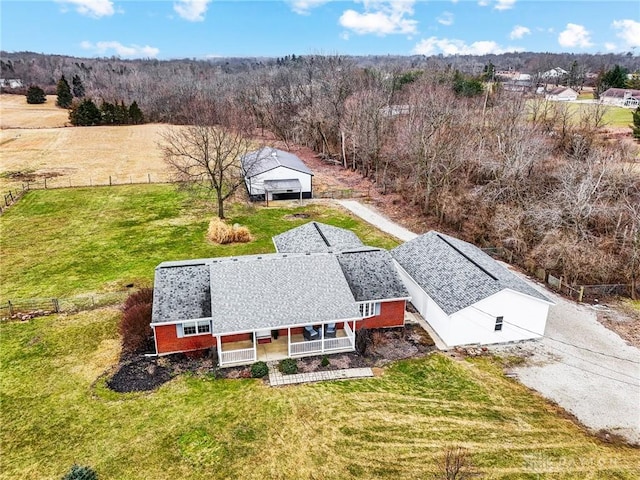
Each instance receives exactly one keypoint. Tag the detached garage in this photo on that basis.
(465, 295)
(272, 174)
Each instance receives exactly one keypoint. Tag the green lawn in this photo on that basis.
(85, 240)
(57, 411)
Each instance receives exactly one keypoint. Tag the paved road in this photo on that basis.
(583, 366)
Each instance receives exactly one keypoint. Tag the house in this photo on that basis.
(11, 83)
(254, 307)
(554, 73)
(316, 237)
(272, 174)
(562, 94)
(273, 306)
(465, 295)
(621, 97)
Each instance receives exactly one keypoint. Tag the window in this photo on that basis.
(498, 326)
(196, 328)
(370, 309)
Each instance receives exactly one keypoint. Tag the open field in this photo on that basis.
(614, 116)
(57, 411)
(82, 240)
(15, 112)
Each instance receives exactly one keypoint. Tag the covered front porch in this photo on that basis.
(267, 345)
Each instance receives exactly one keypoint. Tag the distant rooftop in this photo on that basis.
(316, 237)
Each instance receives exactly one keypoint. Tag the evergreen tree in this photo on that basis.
(616, 77)
(109, 116)
(466, 87)
(85, 113)
(488, 72)
(35, 95)
(78, 87)
(122, 114)
(636, 124)
(135, 114)
(64, 93)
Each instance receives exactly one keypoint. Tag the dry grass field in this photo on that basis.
(34, 144)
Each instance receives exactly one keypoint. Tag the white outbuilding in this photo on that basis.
(465, 295)
(272, 174)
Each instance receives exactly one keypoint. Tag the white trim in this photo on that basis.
(293, 325)
(175, 322)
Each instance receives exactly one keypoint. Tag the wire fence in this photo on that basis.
(27, 308)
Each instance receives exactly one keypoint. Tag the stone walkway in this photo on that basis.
(277, 379)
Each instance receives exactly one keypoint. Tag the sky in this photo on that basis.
(274, 28)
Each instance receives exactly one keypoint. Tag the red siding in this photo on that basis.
(391, 315)
(167, 340)
(239, 337)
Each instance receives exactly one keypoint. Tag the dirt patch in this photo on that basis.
(622, 319)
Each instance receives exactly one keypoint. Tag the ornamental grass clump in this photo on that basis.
(221, 233)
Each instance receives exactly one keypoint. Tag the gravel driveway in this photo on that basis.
(581, 365)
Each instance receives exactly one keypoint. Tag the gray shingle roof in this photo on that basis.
(265, 159)
(316, 237)
(181, 291)
(454, 273)
(258, 292)
(371, 275)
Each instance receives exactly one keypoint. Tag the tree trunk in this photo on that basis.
(220, 207)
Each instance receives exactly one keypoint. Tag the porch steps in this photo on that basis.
(277, 379)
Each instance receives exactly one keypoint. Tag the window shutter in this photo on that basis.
(179, 331)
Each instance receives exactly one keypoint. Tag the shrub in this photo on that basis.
(363, 339)
(259, 370)
(221, 233)
(135, 325)
(325, 361)
(35, 95)
(288, 366)
(79, 472)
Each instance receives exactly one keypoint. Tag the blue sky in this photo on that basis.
(212, 28)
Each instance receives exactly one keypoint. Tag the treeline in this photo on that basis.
(87, 113)
(493, 166)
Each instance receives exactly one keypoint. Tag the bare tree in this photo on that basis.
(455, 464)
(208, 157)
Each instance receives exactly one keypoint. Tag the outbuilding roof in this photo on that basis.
(265, 159)
(371, 275)
(262, 292)
(316, 237)
(454, 273)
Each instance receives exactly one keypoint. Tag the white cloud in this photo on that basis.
(575, 36)
(610, 46)
(131, 51)
(446, 46)
(628, 31)
(381, 17)
(191, 10)
(446, 18)
(504, 4)
(303, 7)
(518, 32)
(483, 3)
(91, 8)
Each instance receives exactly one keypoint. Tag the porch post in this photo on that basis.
(288, 341)
(219, 348)
(322, 337)
(255, 347)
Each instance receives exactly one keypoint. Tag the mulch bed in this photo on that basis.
(137, 373)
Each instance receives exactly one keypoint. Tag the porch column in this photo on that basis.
(289, 341)
(219, 348)
(255, 347)
(322, 337)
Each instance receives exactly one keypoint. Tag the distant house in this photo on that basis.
(562, 94)
(11, 83)
(621, 97)
(465, 295)
(304, 300)
(272, 174)
(554, 73)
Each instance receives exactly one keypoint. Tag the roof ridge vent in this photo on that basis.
(467, 257)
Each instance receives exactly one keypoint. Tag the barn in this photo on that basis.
(272, 174)
(465, 295)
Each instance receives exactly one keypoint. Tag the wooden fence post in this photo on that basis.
(581, 294)
(45, 183)
(109, 180)
(149, 177)
(56, 305)
(10, 307)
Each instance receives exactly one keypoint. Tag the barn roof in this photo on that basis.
(316, 237)
(265, 159)
(454, 273)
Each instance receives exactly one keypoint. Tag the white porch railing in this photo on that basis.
(237, 356)
(337, 343)
(302, 348)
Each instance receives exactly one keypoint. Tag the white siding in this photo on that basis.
(524, 318)
(255, 184)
